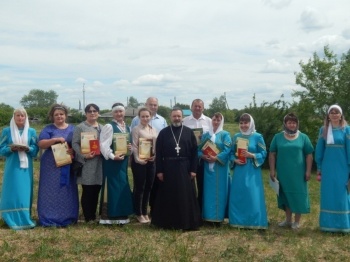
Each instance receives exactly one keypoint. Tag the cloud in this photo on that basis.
(121, 82)
(346, 33)
(312, 20)
(80, 80)
(93, 45)
(149, 80)
(97, 84)
(277, 4)
(273, 66)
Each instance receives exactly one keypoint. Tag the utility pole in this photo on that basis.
(83, 96)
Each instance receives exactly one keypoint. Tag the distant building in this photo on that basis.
(186, 112)
(129, 112)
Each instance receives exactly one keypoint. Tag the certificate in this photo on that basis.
(85, 141)
(209, 148)
(242, 145)
(145, 148)
(120, 143)
(198, 134)
(60, 154)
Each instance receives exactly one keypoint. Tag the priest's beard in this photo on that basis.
(177, 124)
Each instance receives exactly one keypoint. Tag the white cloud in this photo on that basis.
(346, 33)
(80, 80)
(149, 79)
(273, 66)
(97, 84)
(312, 19)
(278, 4)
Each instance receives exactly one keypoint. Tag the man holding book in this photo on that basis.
(197, 120)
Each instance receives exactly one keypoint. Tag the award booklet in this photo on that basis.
(95, 146)
(198, 132)
(275, 185)
(242, 145)
(85, 141)
(120, 144)
(145, 148)
(209, 148)
(60, 154)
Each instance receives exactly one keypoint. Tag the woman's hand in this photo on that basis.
(90, 155)
(239, 162)
(209, 158)
(160, 176)
(246, 154)
(307, 176)
(119, 157)
(273, 176)
(57, 140)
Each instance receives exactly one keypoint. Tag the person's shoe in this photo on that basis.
(146, 218)
(295, 225)
(284, 223)
(141, 219)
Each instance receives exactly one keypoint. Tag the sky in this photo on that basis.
(176, 51)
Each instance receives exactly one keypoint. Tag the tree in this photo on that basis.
(182, 106)
(164, 111)
(218, 105)
(6, 112)
(39, 98)
(133, 102)
(325, 81)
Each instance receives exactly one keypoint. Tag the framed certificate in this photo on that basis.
(145, 148)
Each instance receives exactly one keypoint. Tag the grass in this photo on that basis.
(135, 242)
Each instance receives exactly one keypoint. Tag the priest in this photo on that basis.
(176, 206)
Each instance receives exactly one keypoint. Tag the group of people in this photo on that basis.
(182, 183)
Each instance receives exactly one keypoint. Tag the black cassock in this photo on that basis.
(176, 206)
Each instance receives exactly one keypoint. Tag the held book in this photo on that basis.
(210, 149)
(198, 132)
(120, 144)
(95, 146)
(242, 145)
(85, 141)
(145, 148)
(60, 154)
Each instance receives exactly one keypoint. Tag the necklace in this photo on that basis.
(177, 148)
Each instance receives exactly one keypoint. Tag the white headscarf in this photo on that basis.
(213, 136)
(20, 139)
(251, 128)
(330, 138)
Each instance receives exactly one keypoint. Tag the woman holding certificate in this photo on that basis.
(58, 203)
(116, 198)
(86, 135)
(333, 158)
(215, 150)
(247, 208)
(293, 151)
(18, 145)
(142, 163)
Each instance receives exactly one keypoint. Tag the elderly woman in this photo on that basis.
(18, 145)
(143, 168)
(216, 171)
(247, 208)
(116, 200)
(58, 203)
(91, 175)
(333, 160)
(293, 151)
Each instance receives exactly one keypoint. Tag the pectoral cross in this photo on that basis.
(177, 148)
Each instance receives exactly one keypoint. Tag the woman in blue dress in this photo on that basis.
(17, 186)
(247, 207)
(216, 172)
(116, 199)
(58, 203)
(333, 160)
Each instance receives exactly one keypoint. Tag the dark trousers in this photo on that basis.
(143, 180)
(200, 180)
(89, 200)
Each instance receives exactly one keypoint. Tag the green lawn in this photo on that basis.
(135, 242)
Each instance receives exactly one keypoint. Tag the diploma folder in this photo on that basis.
(242, 145)
(198, 132)
(60, 154)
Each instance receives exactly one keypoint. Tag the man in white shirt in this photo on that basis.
(157, 121)
(198, 120)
